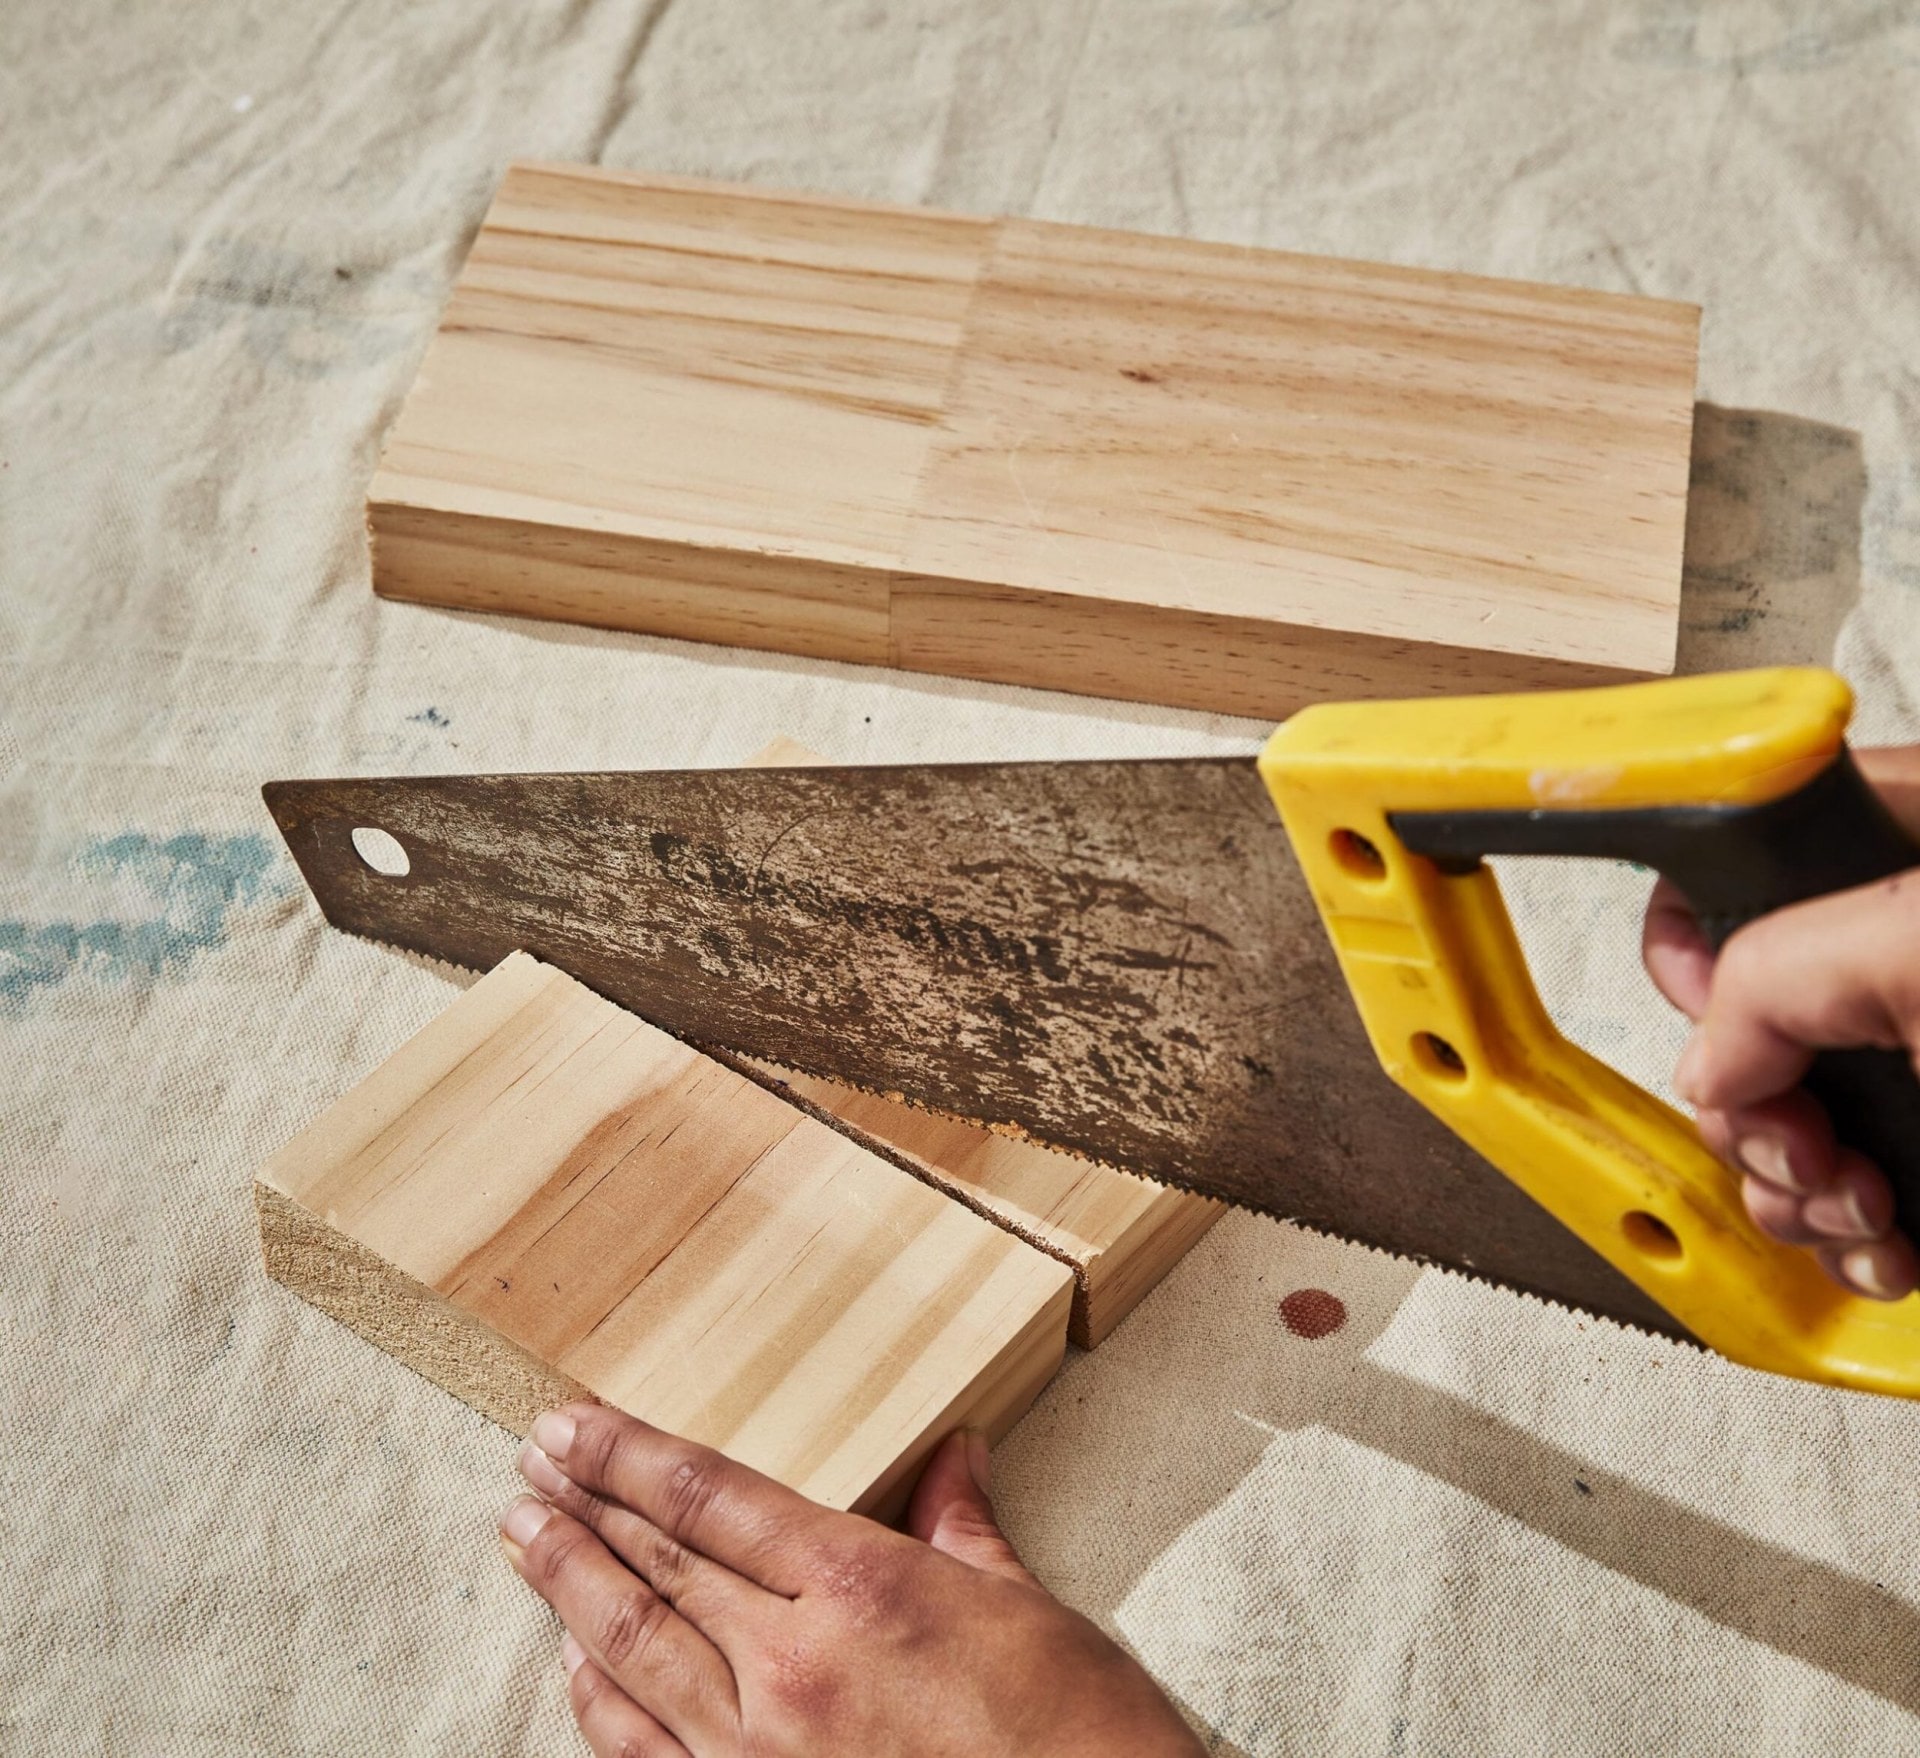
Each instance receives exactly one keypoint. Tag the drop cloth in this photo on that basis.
(1462, 1524)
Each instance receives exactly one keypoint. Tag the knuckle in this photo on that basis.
(974, 1524)
(628, 1626)
(554, 1548)
(693, 1486)
(982, 1539)
(584, 1505)
(597, 1437)
(666, 1564)
(588, 1689)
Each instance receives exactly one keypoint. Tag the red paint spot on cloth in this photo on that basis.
(1313, 1313)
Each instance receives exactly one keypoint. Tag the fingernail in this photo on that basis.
(1765, 1156)
(980, 1460)
(553, 1434)
(1839, 1214)
(572, 1656)
(524, 1520)
(1691, 1066)
(1862, 1268)
(540, 1471)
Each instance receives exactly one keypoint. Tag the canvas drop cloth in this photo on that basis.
(1463, 1524)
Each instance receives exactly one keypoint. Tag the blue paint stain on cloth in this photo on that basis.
(195, 882)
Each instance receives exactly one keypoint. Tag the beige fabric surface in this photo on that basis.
(1463, 1524)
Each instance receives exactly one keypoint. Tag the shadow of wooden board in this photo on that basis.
(1128, 466)
(541, 1197)
(1118, 1234)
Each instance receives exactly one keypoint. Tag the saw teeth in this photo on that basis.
(1474, 1280)
(443, 966)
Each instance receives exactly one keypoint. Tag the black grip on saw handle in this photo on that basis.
(1736, 863)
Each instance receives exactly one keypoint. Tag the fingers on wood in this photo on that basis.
(714, 1598)
(698, 1498)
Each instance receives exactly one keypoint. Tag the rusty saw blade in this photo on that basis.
(1119, 958)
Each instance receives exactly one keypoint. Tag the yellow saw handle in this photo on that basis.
(1740, 788)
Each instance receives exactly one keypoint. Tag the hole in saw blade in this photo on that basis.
(1650, 1236)
(381, 851)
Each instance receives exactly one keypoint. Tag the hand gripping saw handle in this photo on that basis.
(1739, 787)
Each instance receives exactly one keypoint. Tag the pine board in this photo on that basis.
(1117, 1233)
(539, 1197)
(1129, 466)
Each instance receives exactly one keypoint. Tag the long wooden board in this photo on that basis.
(1128, 466)
(1117, 1233)
(540, 1197)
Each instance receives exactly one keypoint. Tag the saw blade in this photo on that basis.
(1120, 959)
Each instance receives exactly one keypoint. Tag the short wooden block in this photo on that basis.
(1096, 461)
(541, 1197)
(1119, 1234)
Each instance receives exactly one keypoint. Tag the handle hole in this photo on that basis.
(1651, 1236)
(381, 852)
(1438, 1058)
(1357, 855)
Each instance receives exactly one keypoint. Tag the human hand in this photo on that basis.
(1836, 972)
(711, 1612)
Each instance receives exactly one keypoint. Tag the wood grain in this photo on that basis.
(1117, 1233)
(541, 1196)
(1128, 466)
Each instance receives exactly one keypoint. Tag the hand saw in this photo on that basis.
(1286, 981)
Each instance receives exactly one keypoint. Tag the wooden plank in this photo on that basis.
(1117, 1233)
(540, 1196)
(1127, 466)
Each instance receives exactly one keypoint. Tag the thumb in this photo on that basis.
(950, 1510)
